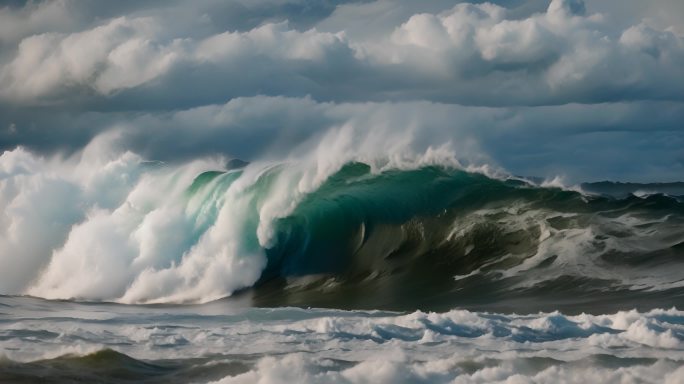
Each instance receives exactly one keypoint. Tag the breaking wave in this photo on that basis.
(423, 232)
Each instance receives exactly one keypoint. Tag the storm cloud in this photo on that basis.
(584, 89)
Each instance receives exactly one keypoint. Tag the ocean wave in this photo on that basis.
(397, 234)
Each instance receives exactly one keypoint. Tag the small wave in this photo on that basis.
(109, 366)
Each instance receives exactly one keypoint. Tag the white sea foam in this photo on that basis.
(298, 368)
(312, 346)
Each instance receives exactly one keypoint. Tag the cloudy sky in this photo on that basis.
(588, 90)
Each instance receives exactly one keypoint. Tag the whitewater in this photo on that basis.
(221, 342)
(332, 266)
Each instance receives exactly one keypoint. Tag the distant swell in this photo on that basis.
(417, 234)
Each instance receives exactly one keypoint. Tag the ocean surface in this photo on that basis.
(356, 273)
(65, 342)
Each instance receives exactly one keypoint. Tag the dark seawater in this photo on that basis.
(109, 366)
(435, 239)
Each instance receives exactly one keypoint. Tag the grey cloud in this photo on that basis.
(470, 54)
(540, 88)
(372, 19)
(662, 14)
(21, 18)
